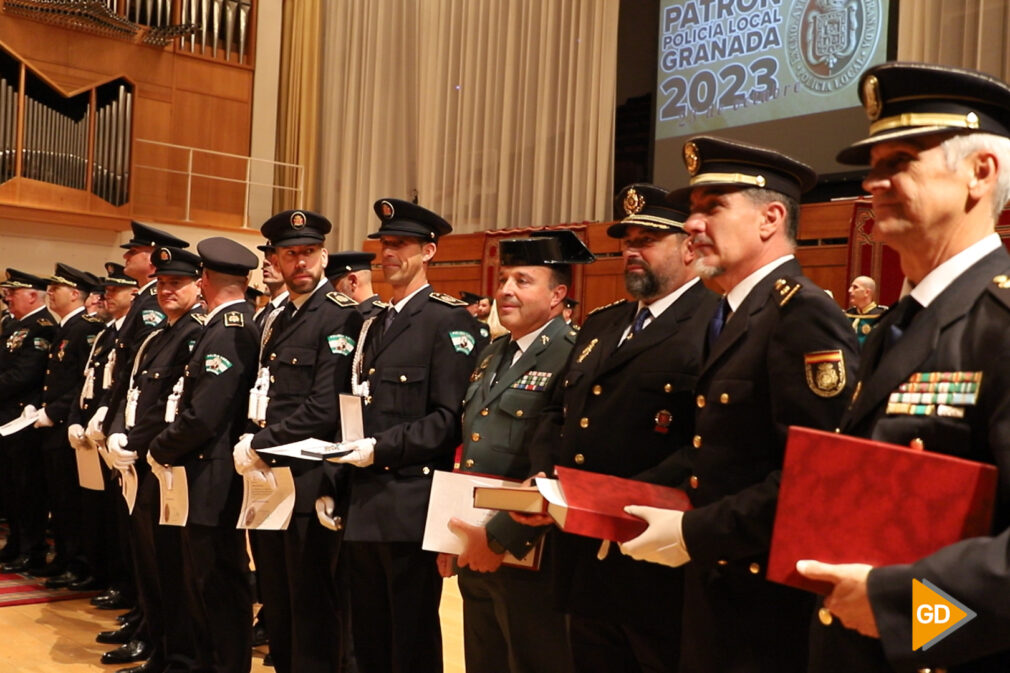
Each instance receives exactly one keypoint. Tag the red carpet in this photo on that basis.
(22, 590)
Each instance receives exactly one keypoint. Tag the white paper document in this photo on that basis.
(89, 469)
(452, 496)
(174, 497)
(351, 426)
(314, 447)
(267, 503)
(129, 480)
(18, 424)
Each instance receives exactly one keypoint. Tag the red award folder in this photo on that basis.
(849, 500)
(586, 503)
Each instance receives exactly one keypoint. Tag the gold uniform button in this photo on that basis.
(825, 616)
(722, 562)
(425, 470)
(700, 401)
(597, 389)
(579, 459)
(200, 457)
(45, 388)
(273, 461)
(371, 371)
(696, 442)
(484, 412)
(475, 437)
(693, 481)
(468, 462)
(584, 422)
(917, 444)
(294, 361)
(519, 413)
(403, 378)
(368, 399)
(668, 388)
(754, 568)
(724, 398)
(386, 468)
(273, 356)
(272, 379)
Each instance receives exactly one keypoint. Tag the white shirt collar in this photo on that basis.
(403, 302)
(64, 319)
(657, 307)
(940, 278)
(147, 285)
(26, 315)
(527, 340)
(118, 322)
(736, 296)
(221, 308)
(279, 299)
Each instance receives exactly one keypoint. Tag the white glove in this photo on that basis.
(94, 430)
(76, 437)
(324, 512)
(362, 452)
(42, 420)
(161, 473)
(29, 410)
(246, 459)
(121, 457)
(663, 541)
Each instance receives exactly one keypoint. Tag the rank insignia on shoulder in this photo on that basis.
(1002, 281)
(153, 290)
(825, 372)
(216, 364)
(234, 319)
(462, 341)
(341, 344)
(447, 299)
(44, 322)
(341, 299)
(935, 393)
(381, 304)
(150, 317)
(94, 318)
(199, 317)
(606, 306)
(785, 289)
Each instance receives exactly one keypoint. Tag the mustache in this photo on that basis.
(700, 239)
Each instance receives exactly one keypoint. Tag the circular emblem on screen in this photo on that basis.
(633, 202)
(386, 209)
(164, 255)
(830, 42)
(692, 160)
(871, 97)
(297, 220)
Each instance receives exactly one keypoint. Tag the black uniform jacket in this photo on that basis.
(161, 364)
(627, 408)
(84, 407)
(65, 369)
(499, 420)
(964, 330)
(785, 357)
(310, 364)
(212, 415)
(144, 316)
(417, 373)
(23, 362)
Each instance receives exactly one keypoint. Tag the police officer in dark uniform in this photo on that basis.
(304, 364)
(200, 438)
(569, 311)
(414, 361)
(508, 618)
(779, 353)
(939, 156)
(631, 375)
(68, 288)
(104, 546)
(350, 272)
(863, 312)
(158, 365)
(22, 370)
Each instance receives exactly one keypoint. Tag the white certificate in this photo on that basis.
(351, 425)
(18, 424)
(174, 496)
(267, 500)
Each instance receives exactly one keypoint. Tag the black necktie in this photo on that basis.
(638, 324)
(718, 322)
(904, 312)
(506, 361)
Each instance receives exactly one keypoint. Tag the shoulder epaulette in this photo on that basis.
(381, 304)
(341, 299)
(447, 299)
(153, 290)
(1000, 288)
(44, 322)
(785, 289)
(606, 306)
(234, 319)
(94, 318)
(863, 316)
(572, 334)
(199, 317)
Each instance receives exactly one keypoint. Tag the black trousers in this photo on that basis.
(25, 489)
(601, 646)
(218, 597)
(299, 596)
(62, 485)
(395, 591)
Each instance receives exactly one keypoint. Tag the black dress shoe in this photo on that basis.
(135, 650)
(259, 635)
(268, 659)
(121, 636)
(86, 583)
(61, 581)
(50, 570)
(149, 666)
(21, 564)
(112, 600)
(132, 616)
